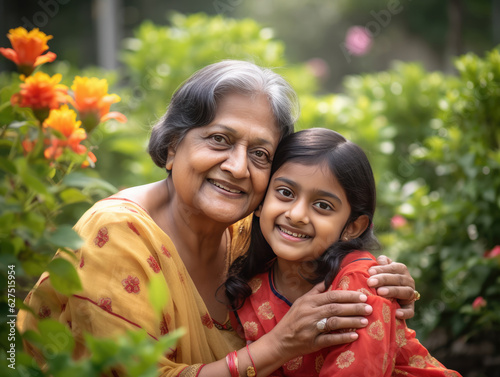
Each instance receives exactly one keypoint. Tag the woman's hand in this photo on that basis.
(394, 281)
(297, 333)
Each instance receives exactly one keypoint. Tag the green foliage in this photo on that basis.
(158, 59)
(41, 182)
(134, 354)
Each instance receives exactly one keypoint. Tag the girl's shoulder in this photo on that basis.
(354, 272)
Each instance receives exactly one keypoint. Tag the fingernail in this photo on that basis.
(364, 321)
(363, 297)
(399, 313)
(368, 309)
(372, 281)
(354, 336)
(372, 271)
(382, 291)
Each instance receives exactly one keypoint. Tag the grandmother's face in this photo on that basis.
(222, 169)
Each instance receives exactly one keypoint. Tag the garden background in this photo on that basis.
(416, 84)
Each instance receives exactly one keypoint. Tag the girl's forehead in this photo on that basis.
(297, 168)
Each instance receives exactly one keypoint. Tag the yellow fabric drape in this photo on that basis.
(123, 249)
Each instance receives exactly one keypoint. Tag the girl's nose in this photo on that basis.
(298, 212)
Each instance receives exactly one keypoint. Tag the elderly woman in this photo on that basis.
(216, 142)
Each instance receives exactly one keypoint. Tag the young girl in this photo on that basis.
(315, 220)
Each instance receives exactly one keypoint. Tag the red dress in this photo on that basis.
(385, 347)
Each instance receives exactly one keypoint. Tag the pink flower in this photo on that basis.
(478, 303)
(398, 221)
(358, 40)
(495, 252)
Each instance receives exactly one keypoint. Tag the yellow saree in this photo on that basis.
(123, 248)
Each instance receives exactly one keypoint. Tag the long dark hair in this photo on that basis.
(349, 164)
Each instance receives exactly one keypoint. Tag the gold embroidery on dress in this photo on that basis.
(400, 337)
(386, 312)
(255, 284)
(251, 329)
(320, 360)
(345, 359)
(376, 330)
(265, 311)
(417, 361)
(294, 364)
(344, 283)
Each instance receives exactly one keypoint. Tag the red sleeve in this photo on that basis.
(373, 353)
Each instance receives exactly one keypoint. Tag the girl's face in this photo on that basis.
(304, 211)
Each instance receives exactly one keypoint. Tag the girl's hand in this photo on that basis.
(394, 281)
(298, 334)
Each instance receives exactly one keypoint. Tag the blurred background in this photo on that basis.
(415, 83)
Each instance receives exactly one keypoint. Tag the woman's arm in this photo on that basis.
(297, 333)
(393, 280)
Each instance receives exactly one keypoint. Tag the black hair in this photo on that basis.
(350, 165)
(194, 104)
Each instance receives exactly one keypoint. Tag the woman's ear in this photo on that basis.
(258, 211)
(357, 227)
(170, 159)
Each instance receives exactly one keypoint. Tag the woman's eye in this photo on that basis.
(285, 192)
(218, 138)
(262, 156)
(324, 206)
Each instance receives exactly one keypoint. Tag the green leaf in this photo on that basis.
(7, 166)
(65, 236)
(158, 292)
(64, 277)
(56, 337)
(82, 181)
(73, 195)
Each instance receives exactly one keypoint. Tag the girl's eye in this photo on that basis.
(323, 206)
(285, 192)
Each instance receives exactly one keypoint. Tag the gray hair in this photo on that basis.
(194, 104)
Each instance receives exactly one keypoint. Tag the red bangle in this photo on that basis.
(232, 364)
(251, 370)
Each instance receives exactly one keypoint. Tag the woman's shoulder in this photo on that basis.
(112, 210)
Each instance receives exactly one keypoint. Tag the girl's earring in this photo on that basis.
(346, 238)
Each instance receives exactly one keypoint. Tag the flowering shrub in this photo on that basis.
(45, 129)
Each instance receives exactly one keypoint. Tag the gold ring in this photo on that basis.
(416, 296)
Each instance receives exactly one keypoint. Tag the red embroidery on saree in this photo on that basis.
(131, 284)
(133, 228)
(153, 264)
(44, 312)
(165, 251)
(102, 237)
(163, 327)
(207, 321)
(105, 303)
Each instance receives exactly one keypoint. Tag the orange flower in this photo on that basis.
(42, 93)
(27, 49)
(92, 101)
(64, 121)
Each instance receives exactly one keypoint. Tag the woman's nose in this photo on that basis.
(237, 162)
